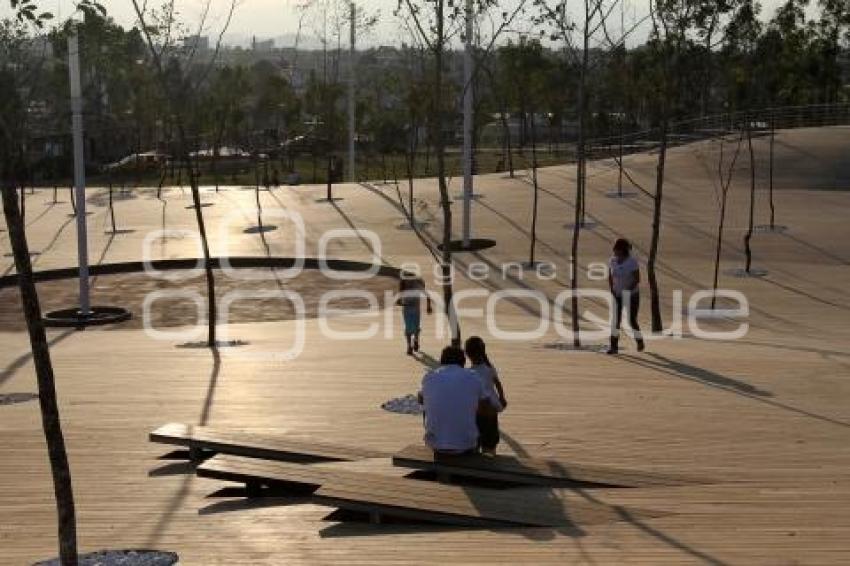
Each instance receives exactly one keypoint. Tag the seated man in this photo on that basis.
(451, 396)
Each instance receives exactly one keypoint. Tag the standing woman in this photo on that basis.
(624, 282)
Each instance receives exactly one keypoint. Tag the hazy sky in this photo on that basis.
(275, 18)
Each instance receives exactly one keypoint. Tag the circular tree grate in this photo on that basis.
(475, 245)
(218, 344)
(587, 225)
(768, 229)
(74, 318)
(15, 398)
(260, 229)
(584, 348)
(620, 194)
(407, 226)
(121, 558)
(742, 273)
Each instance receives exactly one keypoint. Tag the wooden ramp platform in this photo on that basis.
(203, 440)
(381, 495)
(531, 471)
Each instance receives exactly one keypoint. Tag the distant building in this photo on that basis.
(263, 46)
(197, 42)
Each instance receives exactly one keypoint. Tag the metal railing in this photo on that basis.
(716, 125)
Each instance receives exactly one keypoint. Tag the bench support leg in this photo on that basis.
(254, 489)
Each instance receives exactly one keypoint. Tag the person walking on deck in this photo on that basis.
(411, 291)
(624, 282)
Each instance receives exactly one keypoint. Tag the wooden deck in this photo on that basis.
(765, 418)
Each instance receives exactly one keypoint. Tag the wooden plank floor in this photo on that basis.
(767, 417)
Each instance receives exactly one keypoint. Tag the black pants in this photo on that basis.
(488, 430)
(634, 307)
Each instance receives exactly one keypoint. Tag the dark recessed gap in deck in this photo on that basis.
(362, 517)
(493, 483)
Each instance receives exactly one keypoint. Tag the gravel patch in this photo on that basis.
(15, 398)
(407, 405)
(122, 558)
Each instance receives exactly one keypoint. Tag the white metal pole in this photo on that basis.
(352, 123)
(79, 169)
(468, 125)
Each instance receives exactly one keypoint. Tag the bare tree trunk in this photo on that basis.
(770, 187)
(724, 193)
(536, 192)
(111, 205)
(51, 424)
(578, 217)
(445, 201)
(748, 236)
(654, 295)
(506, 133)
(23, 205)
(202, 231)
(620, 161)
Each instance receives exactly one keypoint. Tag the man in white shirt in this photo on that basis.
(451, 396)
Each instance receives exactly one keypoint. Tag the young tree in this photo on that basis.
(17, 78)
(577, 36)
(725, 179)
(180, 78)
(748, 128)
(671, 22)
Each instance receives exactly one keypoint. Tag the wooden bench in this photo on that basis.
(381, 495)
(203, 441)
(530, 471)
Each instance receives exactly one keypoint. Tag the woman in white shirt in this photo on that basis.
(488, 413)
(624, 282)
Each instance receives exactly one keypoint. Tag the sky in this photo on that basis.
(279, 19)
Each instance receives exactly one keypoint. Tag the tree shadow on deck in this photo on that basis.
(182, 493)
(426, 359)
(715, 380)
(15, 365)
(623, 513)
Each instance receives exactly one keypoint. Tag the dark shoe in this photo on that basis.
(613, 349)
(409, 351)
(416, 344)
(640, 346)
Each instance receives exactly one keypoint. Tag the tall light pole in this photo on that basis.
(468, 125)
(352, 122)
(79, 169)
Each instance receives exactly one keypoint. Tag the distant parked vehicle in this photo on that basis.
(224, 152)
(136, 161)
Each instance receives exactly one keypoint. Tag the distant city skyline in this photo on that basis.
(279, 19)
